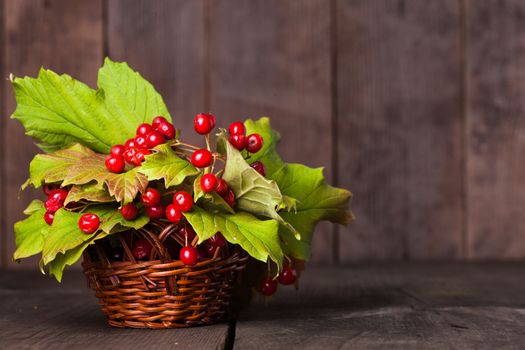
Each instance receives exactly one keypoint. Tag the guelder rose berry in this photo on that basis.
(208, 182)
(183, 200)
(89, 223)
(129, 211)
(254, 143)
(204, 123)
(201, 158)
(189, 255)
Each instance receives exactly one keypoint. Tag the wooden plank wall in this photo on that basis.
(417, 106)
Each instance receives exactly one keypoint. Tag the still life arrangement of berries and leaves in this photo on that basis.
(147, 210)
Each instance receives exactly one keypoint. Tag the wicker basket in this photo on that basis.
(162, 292)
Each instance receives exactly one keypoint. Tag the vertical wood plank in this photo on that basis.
(3, 113)
(272, 58)
(496, 129)
(64, 36)
(400, 128)
(165, 41)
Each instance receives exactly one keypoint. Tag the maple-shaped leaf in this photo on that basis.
(59, 110)
(314, 199)
(257, 237)
(165, 164)
(57, 266)
(253, 192)
(53, 167)
(31, 232)
(125, 186)
(90, 192)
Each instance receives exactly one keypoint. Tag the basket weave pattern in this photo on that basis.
(163, 293)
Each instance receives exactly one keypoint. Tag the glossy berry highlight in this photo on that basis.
(155, 211)
(237, 128)
(254, 143)
(208, 182)
(204, 123)
(150, 197)
(201, 158)
(259, 167)
(48, 217)
(238, 141)
(189, 255)
(157, 121)
(183, 200)
(268, 287)
(89, 223)
(129, 211)
(222, 187)
(287, 276)
(144, 129)
(141, 249)
(118, 150)
(173, 213)
(115, 164)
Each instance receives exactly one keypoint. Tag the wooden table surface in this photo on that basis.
(414, 306)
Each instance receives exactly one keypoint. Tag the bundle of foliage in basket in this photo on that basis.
(164, 227)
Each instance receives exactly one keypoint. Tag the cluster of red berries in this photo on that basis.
(252, 143)
(287, 276)
(135, 149)
(56, 197)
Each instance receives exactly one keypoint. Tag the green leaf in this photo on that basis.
(315, 200)
(59, 110)
(53, 167)
(124, 186)
(257, 237)
(253, 192)
(56, 267)
(31, 232)
(64, 234)
(89, 192)
(165, 164)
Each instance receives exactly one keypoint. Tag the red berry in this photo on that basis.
(217, 240)
(238, 141)
(89, 223)
(230, 198)
(209, 250)
(287, 275)
(117, 150)
(141, 249)
(201, 158)
(208, 182)
(259, 167)
(254, 143)
(129, 211)
(155, 211)
(166, 129)
(189, 255)
(115, 164)
(141, 143)
(58, 195)
(173, 213)
(47, 188)
(154, 139)
(157, 120)
(48, 217)
(144, 129)
(237, 128)
(222, 187)
(183, 200)
(130, 144)
(141, 154)
(52, 205)
(204, 123)
(130, 155)
(150, 197)
(187, 232)
(268, 286)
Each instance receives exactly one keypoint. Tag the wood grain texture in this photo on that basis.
(400, 128)
(272, 58)
(61, 35)
(399, 306)
(495, 129)
(3, 113)
(165, 41)
(46, 315)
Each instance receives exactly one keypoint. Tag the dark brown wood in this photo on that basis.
(400, 128)
(61, 35)
(39, 313)
(495, 124)
(3, 112)
(272, 58)
(424, 306)
(164, 41)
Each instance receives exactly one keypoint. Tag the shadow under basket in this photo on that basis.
(163, 293)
